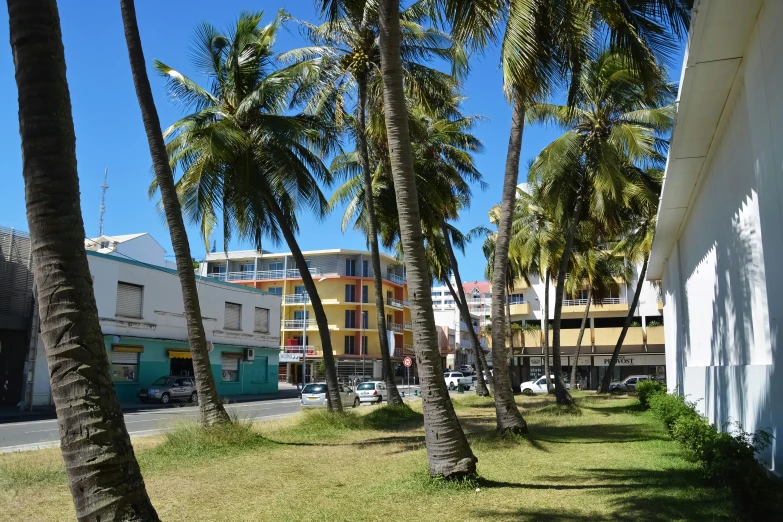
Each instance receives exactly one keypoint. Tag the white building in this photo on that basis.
(141, 314)
(139, 247)
(720, 232)
(454, 339)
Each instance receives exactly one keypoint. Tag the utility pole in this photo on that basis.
(104, 187)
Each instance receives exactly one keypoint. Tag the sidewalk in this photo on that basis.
(14, 414)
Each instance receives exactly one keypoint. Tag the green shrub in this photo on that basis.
(668, 408)
(647, 388)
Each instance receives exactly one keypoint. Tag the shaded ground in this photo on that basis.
(602, 461)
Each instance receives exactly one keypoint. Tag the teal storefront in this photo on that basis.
(136, 362)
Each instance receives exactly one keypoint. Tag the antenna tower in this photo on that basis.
(103, 201)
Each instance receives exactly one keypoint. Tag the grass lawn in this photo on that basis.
(605, 460)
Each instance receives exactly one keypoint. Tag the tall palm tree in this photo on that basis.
(448, 451)
(590, 171)
(210, 408)
(543, 43)
(244, 158)
(347, 49)
(103, 475)
(635, 245)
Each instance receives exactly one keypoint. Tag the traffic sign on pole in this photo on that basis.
(407, 362)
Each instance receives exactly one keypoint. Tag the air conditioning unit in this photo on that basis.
(250, 354)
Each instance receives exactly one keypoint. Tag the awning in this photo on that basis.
(179, 354)
(127, 349)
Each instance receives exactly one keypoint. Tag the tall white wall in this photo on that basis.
(723, 283)
(143, 248)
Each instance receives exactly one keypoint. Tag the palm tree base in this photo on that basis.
(513, 430)
(464, 468)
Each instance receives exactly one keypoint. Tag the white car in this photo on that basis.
(538, 386)
(314, 394)
(372, 391)
(454, 379)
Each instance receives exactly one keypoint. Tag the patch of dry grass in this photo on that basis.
(607, 462)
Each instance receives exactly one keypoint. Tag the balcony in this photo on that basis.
(220, 276)
(395, 327)
(660, 304)
(519, 309)
(611, 304)
(406, 302)
(310, 350)
(394, 278)
(296, 299)
(250, 275)
(655, 335)
(397, 352)
(408, 325)
(298, 324)
(568, 337)
(609, 336)
(394, 303)
(408, 348)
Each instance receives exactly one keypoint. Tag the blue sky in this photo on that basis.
(109, 130)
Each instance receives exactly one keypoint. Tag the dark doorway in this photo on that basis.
(13, 347)
(183, 367)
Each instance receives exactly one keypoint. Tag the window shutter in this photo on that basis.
(230, 363)
(124, 358)
(261, 322)
(129, 299)
(232, 318)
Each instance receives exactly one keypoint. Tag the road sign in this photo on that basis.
(407, 362)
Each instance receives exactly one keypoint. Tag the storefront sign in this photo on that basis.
(635, 359)
(290, 357)
(583, 361)
(536, 361)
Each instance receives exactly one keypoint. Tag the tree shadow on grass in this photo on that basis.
(651, 495)
(595, 434)
(408, 443)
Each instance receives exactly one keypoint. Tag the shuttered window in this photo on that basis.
(230, 368)
(232, 317)
(261, 320)
(124, 367)
(129, 299)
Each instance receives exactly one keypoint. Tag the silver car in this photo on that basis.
(167, 389)
(372, 391)
(315, 395)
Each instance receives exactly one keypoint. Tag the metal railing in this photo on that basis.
(297, 324)
(298, 349)
(397, 352)
(296, 298)
(217, 275)
(394, 302)
(583, 302)
(408, 325)
(406, 302)
(253, 275)
(394, 278)
(395, 327)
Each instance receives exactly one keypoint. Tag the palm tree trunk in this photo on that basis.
(332, 384)
(509, 419)
(211, 410)
(481, 385)
(513, 379)
(103, 475)
(579, 339)
(561, 392)
(545, 339)
(448, 451)
(628, 318)
(393, 398)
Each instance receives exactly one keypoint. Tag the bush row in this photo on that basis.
(727, 457)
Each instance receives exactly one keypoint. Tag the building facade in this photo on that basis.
(720, 232)
(141, 314)
(346, 286)
(454, 339)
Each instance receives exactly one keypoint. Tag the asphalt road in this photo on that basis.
(35, 434)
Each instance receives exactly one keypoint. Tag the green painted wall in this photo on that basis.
(258, 376)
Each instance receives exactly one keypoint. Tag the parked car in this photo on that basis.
(454, 379)
(167, 389)
(628, 384)
(314, 394)
(466, 369)
(538, 386)
(372, 391)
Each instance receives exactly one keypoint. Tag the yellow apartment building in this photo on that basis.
(345, 283)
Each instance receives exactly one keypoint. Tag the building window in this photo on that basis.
(436, 294)
(365, 268)
(124, 366)
(350, 267)
(516, 299)
(365, 317)
(350, 345)
(233, 317)
(104, 244)
(217, 269)
(365, 294)
(261, 320)
(276, 266)
(248, 267)
(300, 290)
(350, 318)
(364, 345)
(275, 290)
(300, 314)
(350, 293)
(129, 300)
(230, 368)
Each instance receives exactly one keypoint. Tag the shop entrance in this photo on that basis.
(181, 366)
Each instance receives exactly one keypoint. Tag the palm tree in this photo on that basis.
(347, 49)
(543, 42)
(103, 475)
(243, 157)
(590, 170)
(448, 451)
(635, 245)
(210, 408)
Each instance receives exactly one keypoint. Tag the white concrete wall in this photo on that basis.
(723, 285)
(143, 248)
